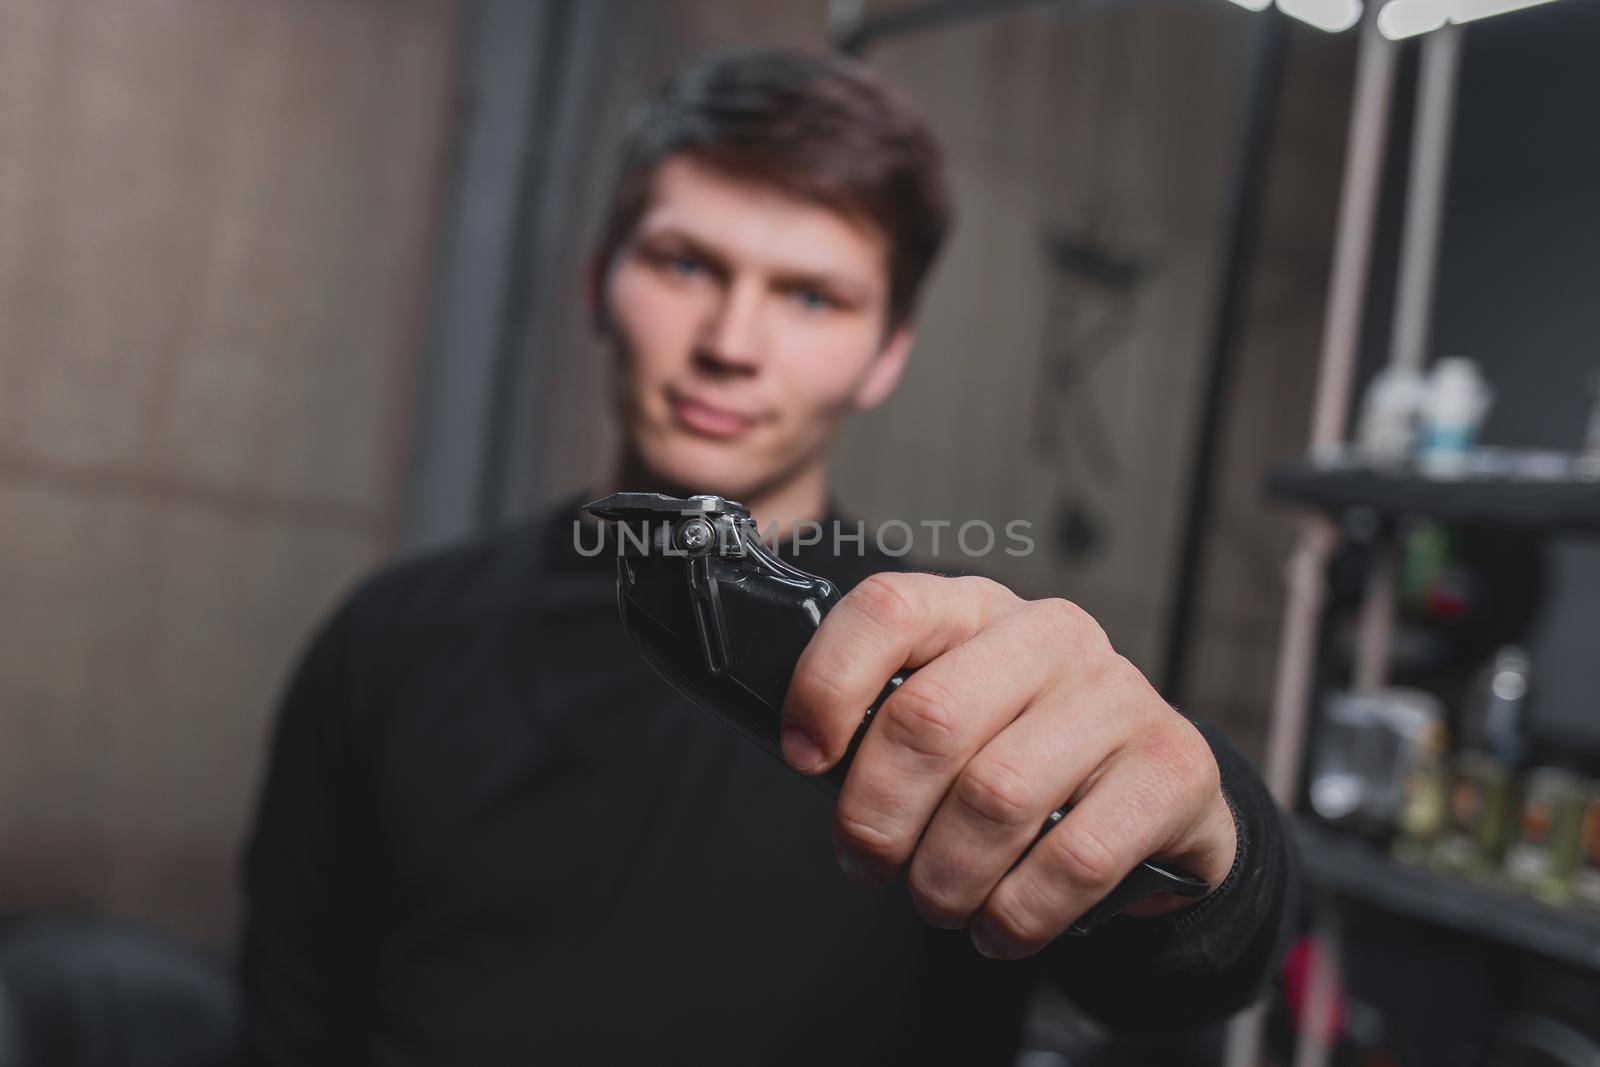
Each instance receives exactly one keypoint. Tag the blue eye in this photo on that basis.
(687, 266)
(812, 300)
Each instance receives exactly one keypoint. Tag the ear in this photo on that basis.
(887, 366)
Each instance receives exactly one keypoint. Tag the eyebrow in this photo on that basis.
(840, 286)
(671, 234)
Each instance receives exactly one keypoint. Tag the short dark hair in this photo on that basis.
(819, 126)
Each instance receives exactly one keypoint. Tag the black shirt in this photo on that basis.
(490, 834)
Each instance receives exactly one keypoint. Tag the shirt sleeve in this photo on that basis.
(298, 944)
(1201, 964)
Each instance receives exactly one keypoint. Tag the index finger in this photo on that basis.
(889, 621)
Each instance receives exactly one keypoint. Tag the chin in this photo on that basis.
(705, 467)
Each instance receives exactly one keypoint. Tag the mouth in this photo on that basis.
(708, 420)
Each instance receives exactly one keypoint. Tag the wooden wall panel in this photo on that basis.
(216, 221)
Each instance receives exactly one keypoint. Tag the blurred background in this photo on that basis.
(289, 288)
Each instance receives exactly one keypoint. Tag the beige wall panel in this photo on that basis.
(217, 217)
(216, 222)
(146, 647)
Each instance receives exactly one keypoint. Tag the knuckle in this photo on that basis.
(1121, 672)
(813, 689)
(886, 600)
(1208, 782)
(977, 583)
(1164, 747)
(1069, 622)
(922, 716)
(1084, 857)
(996, 792)
(1154, 794)
(986, 590)
(1202, 763)
(1060, 611)
(1180, 756)
(865, 839)
(933, 898)
(1015, 922)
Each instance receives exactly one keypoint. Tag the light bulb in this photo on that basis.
(1330, 15)
(1407, 18)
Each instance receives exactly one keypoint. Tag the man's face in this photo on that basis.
(748, 324)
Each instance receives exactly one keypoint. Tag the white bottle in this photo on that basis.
(1458, 398)
(1392, 417)
(1588, 464)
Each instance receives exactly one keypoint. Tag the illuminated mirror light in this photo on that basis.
(1406, 18)
(1330, 15)
(1397, 19)
(1467, 10)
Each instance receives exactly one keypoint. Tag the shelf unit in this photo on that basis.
(1356, 870)
(1535, 505)
(1343, 869)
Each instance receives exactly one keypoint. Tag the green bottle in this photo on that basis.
(1546, 837)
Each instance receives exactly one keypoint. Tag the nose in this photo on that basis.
(730, 342)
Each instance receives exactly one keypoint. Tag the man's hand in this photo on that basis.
(1017, 706)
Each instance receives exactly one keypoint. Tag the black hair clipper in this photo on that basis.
(724, 620)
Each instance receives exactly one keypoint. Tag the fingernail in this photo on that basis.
(988, 942)
(799, 749)
(859, 870)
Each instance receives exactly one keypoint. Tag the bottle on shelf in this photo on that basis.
(1586, 869)
(1457, 399)
(1479, 799)
(1476, 817)
(1588, 464)
(1545, 840)
(1421, 817)
(1367, 747)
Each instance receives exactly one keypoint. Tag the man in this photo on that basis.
(489, 834)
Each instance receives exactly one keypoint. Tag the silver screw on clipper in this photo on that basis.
(694, 535)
